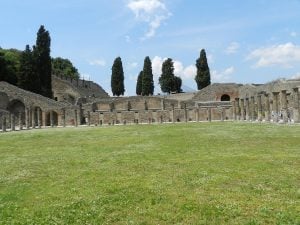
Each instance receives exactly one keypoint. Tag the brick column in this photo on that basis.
(284, 106)
(64, 118)
(259, 108)
(296, 106)
(238, 111)
(222, 113)
(209, 114)
(44, 118)
(275, 106)
(33, 118)
(197, 114)
(27, 118)
(51, 119)
(12, 122)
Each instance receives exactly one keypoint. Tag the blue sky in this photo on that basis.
(250, 41)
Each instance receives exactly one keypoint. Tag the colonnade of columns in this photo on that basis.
(32, 118)
(273, 107)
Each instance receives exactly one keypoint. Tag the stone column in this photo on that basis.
(162, 104)
(247, 106)
(64, 118)
(267, 109)
(259, 108)
(284, 106)
(222, 114)
(51, 119)
(33, 118)
(89, 118)
(173, 114)
(252, 108)
(234, 110)
(185, 113)
(27, 118)
(238, 111)
(76, 118)
(44, 118)
(20, 121)
(242, 109)
(275, 106)
(39, 117)
(12, 122)
(296, 106)
(197, 114)
(3, 123)
(209, 114)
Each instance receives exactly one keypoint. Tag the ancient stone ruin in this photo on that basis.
(79, 102)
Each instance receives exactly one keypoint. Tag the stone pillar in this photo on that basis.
(51, 119)
(44, 118)
(89, 118)
(247, 106)
(284, 106)
(197, 114)
(39, 118)
(275, 107)
(267, 109)
(173, 114)
(242, 109)
(3, 123)
(64, 118)
(27, 118)
(296, 106)
(12, 122)
(185, 113)
(259, 108)
(33, 118)
(253, 117)
(209, 114)
(162, 104)
(234, 110)
(20, 121)
(222, 114)
(238, 111)
(76, 118)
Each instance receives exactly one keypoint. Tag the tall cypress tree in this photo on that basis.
(3, 70)
(166, 80)
(117, 78)
(177, 84)
(203, 75)
(148, 83)
(139, 84)
(43, 61)
(28, 78)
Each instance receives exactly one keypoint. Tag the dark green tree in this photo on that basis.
(43, 61)
(147, 84)
(3, 71)
(177, 84)
(28, 78)
(64, 67)
(11, 60)
(117, 78)
(139, 84)
(203, 75)
(166, 80)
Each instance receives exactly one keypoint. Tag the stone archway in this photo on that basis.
(51, 118)
(17, 110)
(225, 97)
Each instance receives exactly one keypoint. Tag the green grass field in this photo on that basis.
(196, 173)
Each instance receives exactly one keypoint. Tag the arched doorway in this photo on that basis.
(54, 118)
(225, 98)
(17, 108)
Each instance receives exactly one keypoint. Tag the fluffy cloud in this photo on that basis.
(222, 76)
(296, 76)
(153, 12)
(97, 62)
(232, 48)
(285, 55)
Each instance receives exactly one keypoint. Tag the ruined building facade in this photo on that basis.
(79, 102)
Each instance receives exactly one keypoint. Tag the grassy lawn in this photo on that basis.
(196, 173)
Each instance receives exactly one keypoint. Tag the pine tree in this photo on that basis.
(43, 61)
(166, 80)
(139, 84)
(203, 75)
(28, 78)
(147, 84)
(117, 78)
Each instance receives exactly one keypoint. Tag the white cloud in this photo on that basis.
(157, 65)
(132, 65)
(285, 55)
(223, 76)
(153, 12)
(296, 76)
(232, 48)
(97, 62)
(189, 72)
